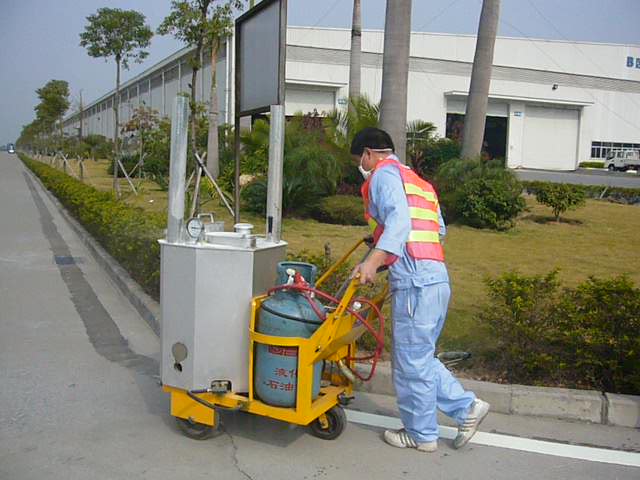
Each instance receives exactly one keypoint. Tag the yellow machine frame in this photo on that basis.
(334, 341)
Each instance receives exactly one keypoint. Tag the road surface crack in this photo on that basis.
(234, 454)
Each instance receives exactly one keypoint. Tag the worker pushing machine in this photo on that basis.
(403, 212)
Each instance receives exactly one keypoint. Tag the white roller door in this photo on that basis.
(305, 100)
(550, 139)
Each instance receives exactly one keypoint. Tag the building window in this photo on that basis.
(606, 149)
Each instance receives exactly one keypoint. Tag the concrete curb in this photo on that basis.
(562, 403)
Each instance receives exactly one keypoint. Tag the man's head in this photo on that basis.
(369, 146)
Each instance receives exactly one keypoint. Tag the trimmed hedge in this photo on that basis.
(587, 336)
(591, 165)
(341, 210)
(128, 233)
(629, 196)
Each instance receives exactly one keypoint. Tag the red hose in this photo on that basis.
(306, 290)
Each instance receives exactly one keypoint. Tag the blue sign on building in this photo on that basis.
(631, 62)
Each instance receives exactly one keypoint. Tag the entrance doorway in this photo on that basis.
(494, 144)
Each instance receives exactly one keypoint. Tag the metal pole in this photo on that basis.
(276, 161)
(164, 111)
(178, 168)
(236, 127)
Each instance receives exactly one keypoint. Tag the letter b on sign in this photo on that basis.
(630, 61)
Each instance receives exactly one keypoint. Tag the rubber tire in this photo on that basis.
(337, 422)
(197, 431)
(611, 168)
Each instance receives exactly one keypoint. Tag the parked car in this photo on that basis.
(11, 148)
(623, 160)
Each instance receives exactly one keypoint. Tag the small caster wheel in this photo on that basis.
(334, 422)
(197, 431)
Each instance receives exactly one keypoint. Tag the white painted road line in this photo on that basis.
(577, 452)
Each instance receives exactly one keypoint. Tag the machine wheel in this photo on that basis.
(611, 168)
(336, 420)
(197, 431)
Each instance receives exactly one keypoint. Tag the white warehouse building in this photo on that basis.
(552, 104)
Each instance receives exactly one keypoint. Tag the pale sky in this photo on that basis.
(39, 39)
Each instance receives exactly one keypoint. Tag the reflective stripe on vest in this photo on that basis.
(423, 242)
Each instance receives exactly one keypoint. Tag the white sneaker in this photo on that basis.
(478, 411)
(401, 439)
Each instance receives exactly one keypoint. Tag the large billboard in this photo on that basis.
(260, 57)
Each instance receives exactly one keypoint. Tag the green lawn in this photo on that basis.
(601, 239)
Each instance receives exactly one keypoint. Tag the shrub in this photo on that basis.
(310, 171)
(520, 315)
(480, 194)
(616, 194)
(587, 336)
(560, 197)
(341, 209)
(600, 321)
(98, 146)
(128, 233)
(434, 154)
(591, 165)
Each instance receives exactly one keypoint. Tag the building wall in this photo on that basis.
(592, 79)
(155, 88)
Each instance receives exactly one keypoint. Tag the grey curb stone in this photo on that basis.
(567, 404)
(623, 410)
(499, 396)
(582, 405)
(146, 306)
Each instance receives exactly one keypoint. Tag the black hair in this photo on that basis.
(373, 138)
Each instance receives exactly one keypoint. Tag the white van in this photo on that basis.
(623, 160)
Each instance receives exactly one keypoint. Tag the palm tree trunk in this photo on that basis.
(212, 139)
(476, 114)
(116, 146)
(355, 64)
(395, 73)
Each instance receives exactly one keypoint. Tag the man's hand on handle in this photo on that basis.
(367, 270)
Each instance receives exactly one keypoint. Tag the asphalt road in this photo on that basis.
(80, 397)
(583, 177)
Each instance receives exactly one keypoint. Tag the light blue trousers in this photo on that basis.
(423, 384)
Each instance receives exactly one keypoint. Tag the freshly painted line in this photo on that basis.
(577, 452)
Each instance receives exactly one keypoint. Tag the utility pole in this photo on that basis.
(81, 119)
(476, 114)
(395, 73)
(355, 62)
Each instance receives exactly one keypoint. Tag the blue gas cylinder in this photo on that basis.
(285, 314)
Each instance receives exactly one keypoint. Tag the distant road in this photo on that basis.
(583, 177)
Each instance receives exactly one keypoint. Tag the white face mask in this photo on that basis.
(367, 173)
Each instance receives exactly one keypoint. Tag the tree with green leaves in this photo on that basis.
(54, 102)
(123, 36)
(560, 197)
(202, 24)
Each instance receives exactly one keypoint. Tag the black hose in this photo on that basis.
(202, 401)
(287, 316)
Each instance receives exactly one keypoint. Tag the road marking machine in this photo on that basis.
(234, 338)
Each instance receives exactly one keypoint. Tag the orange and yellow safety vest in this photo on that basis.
(424, 239)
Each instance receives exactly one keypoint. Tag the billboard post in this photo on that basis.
(260, 60)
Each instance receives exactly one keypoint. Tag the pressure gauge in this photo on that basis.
(195, 227)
